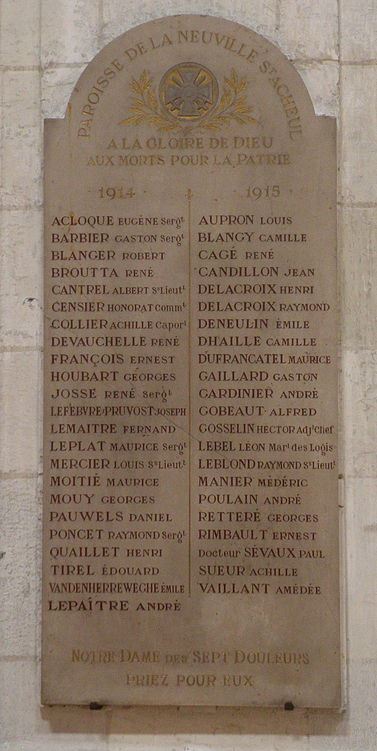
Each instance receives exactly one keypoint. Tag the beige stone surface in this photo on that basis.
(21, 302)
(358, 256)
(358, 30)
(24, 727)
(21, 131)
(308, 29)
(82, 18)
(261, 16)
(358, 136)
(361, 519)
(360, 401)
(322, 82)
(20, 395)
(19, 519)
(19, 33)
(57, 85)
(18, 682)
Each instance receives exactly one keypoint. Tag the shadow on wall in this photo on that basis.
(194, 720)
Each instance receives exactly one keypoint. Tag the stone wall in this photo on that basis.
(44, 46)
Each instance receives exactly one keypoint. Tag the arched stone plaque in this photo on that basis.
(190, 424)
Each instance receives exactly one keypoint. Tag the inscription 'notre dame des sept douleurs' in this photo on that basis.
(190, 423)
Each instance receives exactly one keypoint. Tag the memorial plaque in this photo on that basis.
(190, 422)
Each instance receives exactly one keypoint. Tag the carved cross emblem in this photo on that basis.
(188, 91)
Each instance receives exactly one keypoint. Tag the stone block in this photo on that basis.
(308, 29)
(18, 688)
(361, 524)
(21, 140)
(57, 87)
(359, 386)
(359, 127)
(358, 271)
(358, 25)
(21, 278)
(20, 32)
(260, 17)
(29, 727)
(69, 31)
(20, 570)
(322, 82)
(20, 427)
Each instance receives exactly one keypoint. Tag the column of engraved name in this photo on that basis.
(261, 376)
(117, 413)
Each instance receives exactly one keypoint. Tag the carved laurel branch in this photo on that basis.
(232, 106)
